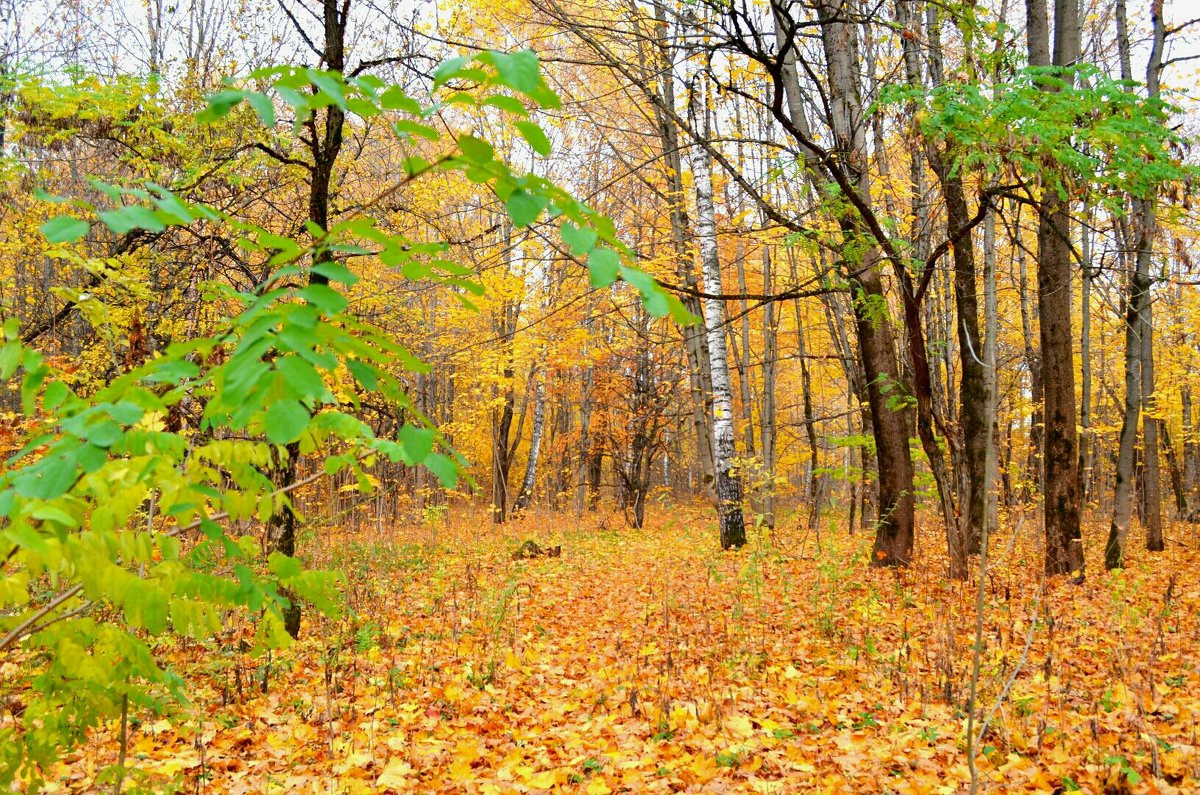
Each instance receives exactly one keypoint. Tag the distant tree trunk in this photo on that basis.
(1152, 486)
(848, 166)
(595, 474)
(694, 337)
(1150, 423)
(1191, 454)
(1114, 550)
(501, 462)
(586, 402)
(767, 417)
(645, 427)
(742, 359)
(503, 448)
(1085, 356)
(957, 218)
(1064, 543)
(1174, 472)
(1033, 364)
(535, 446)
(729, 484)
(990, 346)
(1139, 352)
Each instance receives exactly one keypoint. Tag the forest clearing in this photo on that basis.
(607, 396)
(647, 661)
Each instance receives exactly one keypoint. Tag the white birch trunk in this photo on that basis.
(535, 445)
(729, 485)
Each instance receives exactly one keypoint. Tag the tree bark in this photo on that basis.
(1139, 352)
(535, 446)
(694, 338)
(1064, 543)
(767, 418)
(1085, 357)
(729, 484)
(325, 143)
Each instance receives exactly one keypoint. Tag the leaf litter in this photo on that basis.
(649, 661)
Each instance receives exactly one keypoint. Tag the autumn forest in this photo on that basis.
(613, 396)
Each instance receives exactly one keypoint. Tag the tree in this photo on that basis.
(729, 482)
(127, 510)
(1061, 501)
(1139, 347)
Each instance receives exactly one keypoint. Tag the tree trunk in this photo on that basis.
(849, 167)
(694, 337)
(1191, 455)
(1085, 357)
(1033, 365)
(743, 359)
(1152, 484)
(535, 446)
(767, 419)
(990, 345)
(1139, 356)
(324, 146)
(729, 484)
(962, 535)
(1114, 550)
(1064, 543)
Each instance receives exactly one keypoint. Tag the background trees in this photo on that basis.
(831, 187)
(806, 171)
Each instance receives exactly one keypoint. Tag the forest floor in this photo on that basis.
(649, 661)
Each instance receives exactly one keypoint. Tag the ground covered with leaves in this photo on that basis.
(649, 661)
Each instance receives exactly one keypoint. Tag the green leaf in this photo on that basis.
(535, 136)
(301, 377)
(518, 70)
(604, 266)
(285, 567)
(476, 149)
(263, 106)
(653, 296)
(64, 229)
(395, 99)
(286, 421)
(444, 468)
(449, 69)
(49, 478)
(133, 216)
(328, 85)
(325, 298)
(403, 127)
(364, 373)
(524, 207)
(52, 513)
(336, 272)
(219, 106)
(507, 103)
(579, 239)
(417, 442)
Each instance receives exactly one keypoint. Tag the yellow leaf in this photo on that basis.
(597, 786)
(460, 772)
(395, 775)
(544, 780)
(740, 726)
(466, 751)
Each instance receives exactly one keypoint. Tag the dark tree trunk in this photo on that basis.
(325, 143)
(1064, 542)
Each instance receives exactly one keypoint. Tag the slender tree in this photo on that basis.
(1061, 506)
